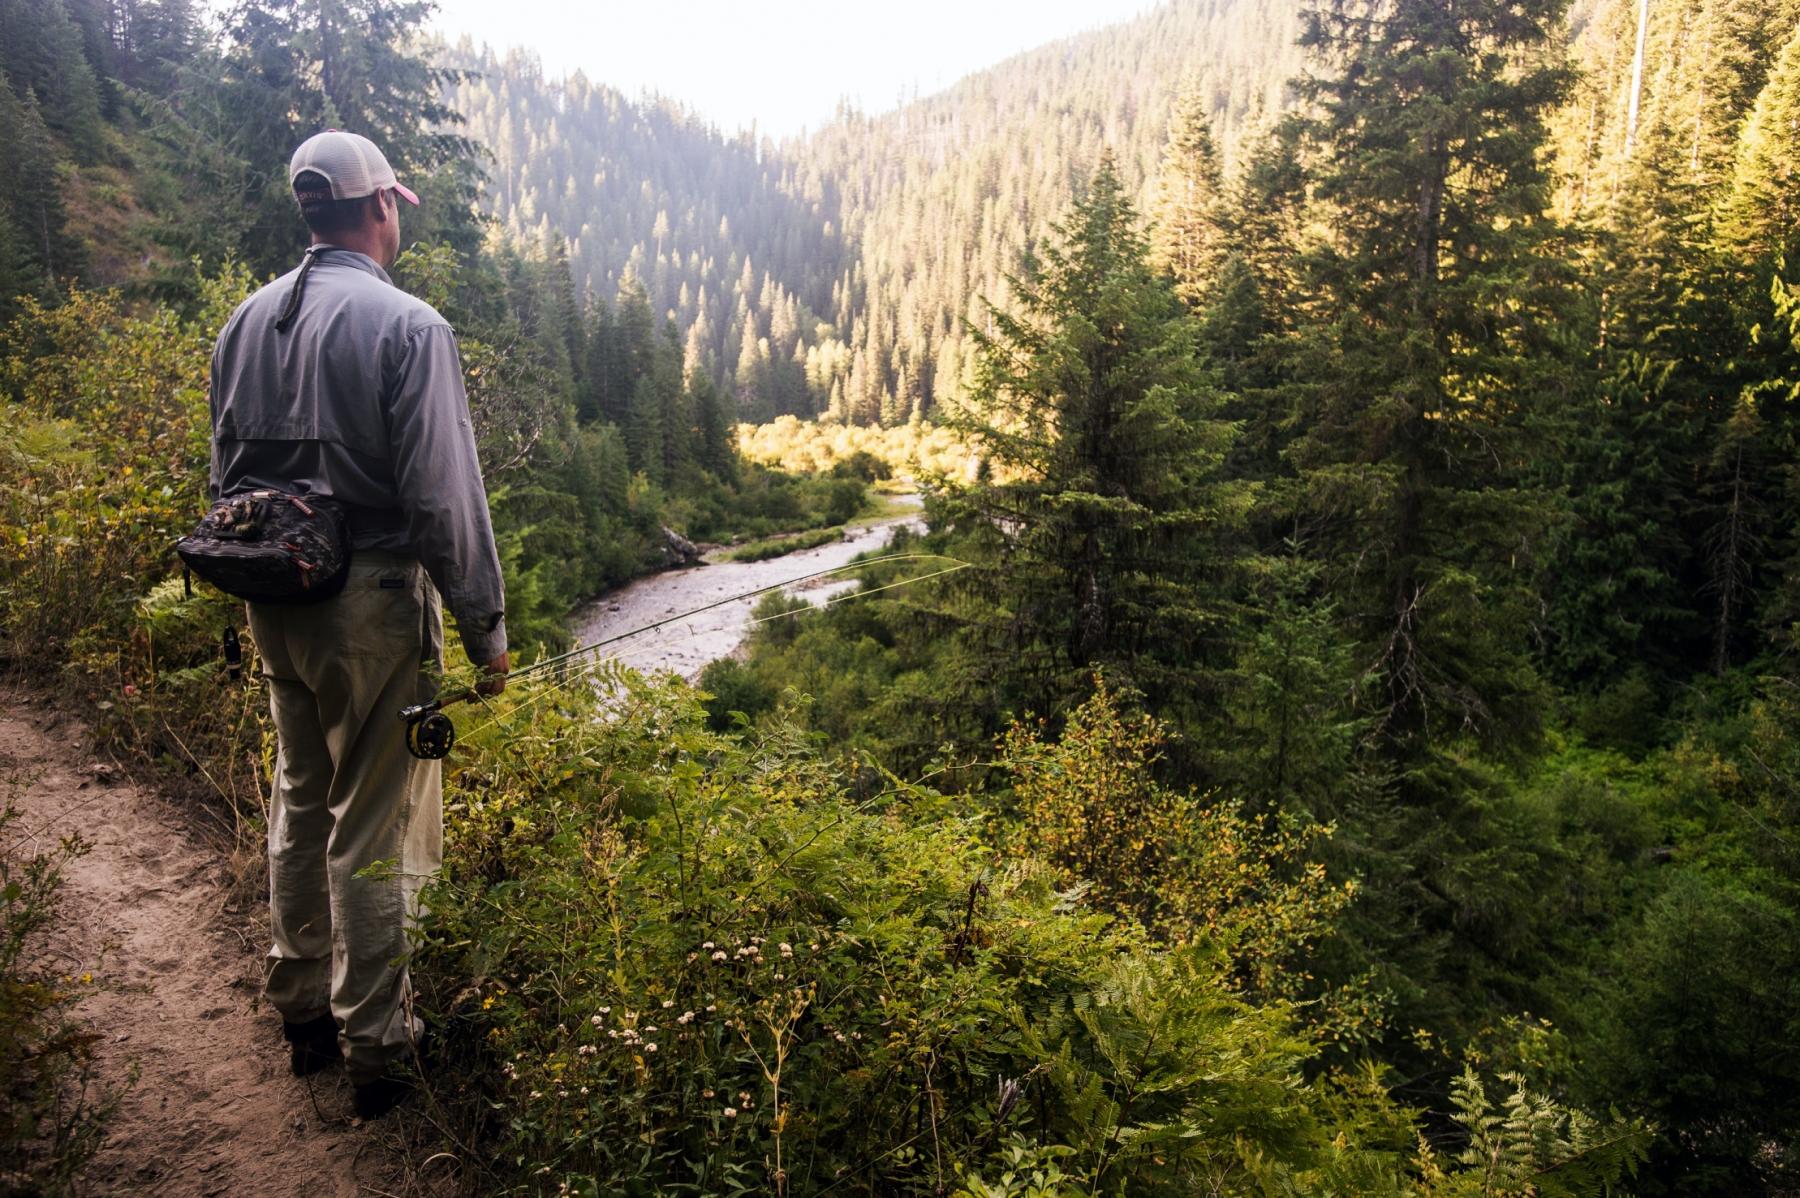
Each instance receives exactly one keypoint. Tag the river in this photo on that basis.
(689, 644)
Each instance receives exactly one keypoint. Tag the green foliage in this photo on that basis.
(1760, 215)
(762, 551)
(37, 253)
(42, 63)
(1189, 868)
(291, 68)
(1423, 483)
(1092, 408)
(1187, 237)
(106, 466)
(678, 962)
(1527, 1145)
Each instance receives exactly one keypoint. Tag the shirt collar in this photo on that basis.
(340, 256)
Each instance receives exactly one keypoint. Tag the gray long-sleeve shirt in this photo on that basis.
(361, 400)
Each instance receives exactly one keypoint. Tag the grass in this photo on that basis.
(762, 551)
(884, 505)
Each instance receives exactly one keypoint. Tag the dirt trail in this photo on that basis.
(213, 1110)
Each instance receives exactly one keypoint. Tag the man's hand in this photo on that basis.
(494, 676)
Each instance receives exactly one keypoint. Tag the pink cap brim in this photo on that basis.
(406, 193)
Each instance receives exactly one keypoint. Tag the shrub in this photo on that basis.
(105, 461)
(1187, 867)
(675, 962)
(762, 551)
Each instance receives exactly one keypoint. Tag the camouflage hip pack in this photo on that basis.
(271, 547)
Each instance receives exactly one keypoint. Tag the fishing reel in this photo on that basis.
(430, 735)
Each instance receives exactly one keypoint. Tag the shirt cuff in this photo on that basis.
(484, 645)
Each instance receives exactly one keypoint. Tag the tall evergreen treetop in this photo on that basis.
(41, 52)
(1433, 336)
(1762, 216)
(1099, 425)
(1186, 237)
(295, 67)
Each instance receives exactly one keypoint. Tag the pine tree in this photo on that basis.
(39, 251)
(1617, 599)
(644, 430)
(675, 416)
(600, 340)
(1185, 236)
(156, 39)
(716, 426)
(298, 66)
(1747, 548)
(1108, 535)
(751, 376)
(627, 352)
(1761, 217)
(1435, 340)
(41, 53)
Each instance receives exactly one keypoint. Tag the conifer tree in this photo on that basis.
(39, 251)
(1185, 238)
(626, 353)
(1761, 217)
(599, 339)
(1434, 342)
(675, 417)
(644, 430)
(1108, 531)
(715, 425)
(41, 53)
(297, 66)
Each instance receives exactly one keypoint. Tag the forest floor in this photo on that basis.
(207, 1106)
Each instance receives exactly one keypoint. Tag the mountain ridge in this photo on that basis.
(870, 239)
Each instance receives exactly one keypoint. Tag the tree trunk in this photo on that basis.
(1637, 76)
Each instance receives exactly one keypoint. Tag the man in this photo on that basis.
(331, 382)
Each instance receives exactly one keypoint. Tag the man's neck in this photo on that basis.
(360, 242)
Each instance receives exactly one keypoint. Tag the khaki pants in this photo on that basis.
(347, 794)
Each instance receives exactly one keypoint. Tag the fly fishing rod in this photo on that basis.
(430, 733)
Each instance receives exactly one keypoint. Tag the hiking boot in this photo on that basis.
(372, 1100)
(312, 1045)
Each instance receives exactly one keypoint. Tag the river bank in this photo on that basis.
(689, 644)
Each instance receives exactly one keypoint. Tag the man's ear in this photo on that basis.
(385, 204)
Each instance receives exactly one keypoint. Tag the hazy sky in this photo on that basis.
(781, 63)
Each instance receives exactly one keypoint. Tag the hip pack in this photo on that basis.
(271, 547)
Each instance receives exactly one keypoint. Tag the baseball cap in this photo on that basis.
(349, 162)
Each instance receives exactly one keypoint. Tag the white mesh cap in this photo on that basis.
(350, 162)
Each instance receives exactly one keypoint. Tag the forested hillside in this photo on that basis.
(832, 275)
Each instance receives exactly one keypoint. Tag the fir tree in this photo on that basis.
(41, 52)
(1762, 215)
(298, 66)
(715, 424)
(1108, 529)
(644, 430)
(1434, 343)
(1185, 236)
(39, 253)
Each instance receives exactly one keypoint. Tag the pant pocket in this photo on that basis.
(379, 612)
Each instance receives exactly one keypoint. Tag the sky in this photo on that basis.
(782, 64)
